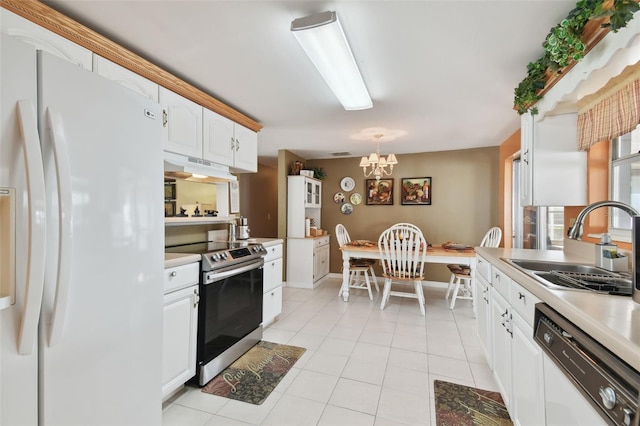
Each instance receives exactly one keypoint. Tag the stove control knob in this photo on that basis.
(215, 257)
(628, 416)
(608, 396)
(223, 255)
(548, 338)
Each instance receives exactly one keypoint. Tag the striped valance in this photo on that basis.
(612, 111)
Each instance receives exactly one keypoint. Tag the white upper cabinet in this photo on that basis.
(43, 39)
(182, 124)
(124, 77)
(229, 143)
(554, 172)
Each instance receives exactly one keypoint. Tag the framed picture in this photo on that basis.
(169, 208)
(169, 190)
(379, 192)
(416, 191)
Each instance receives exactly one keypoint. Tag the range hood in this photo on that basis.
(195, 169)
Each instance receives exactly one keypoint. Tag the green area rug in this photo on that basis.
(458, 405)
(253, 376)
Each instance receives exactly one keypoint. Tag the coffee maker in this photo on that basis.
(243, 229)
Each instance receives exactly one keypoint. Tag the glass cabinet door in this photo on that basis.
(317, 194)
(309, 195)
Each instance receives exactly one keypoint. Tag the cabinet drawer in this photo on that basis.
(273, 252)
(272, 274)
(523, 302)
(483, 267)
(501, 282)
(322, 241)
(181, 276)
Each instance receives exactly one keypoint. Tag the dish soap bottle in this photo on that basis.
(605, 249)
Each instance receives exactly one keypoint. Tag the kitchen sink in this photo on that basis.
(574, 276)
(544, 266)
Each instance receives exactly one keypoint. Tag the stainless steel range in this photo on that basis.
(230, 310)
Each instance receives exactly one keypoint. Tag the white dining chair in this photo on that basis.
(361, 272)
(460, 280)
(402, 251)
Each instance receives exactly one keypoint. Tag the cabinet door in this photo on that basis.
(271, 305)
(43, 39)
(180, 324)
(527, 393)
(317, 194)
(182, 124)
(308, 193)
(526, 143)
(484, 311)
(246, 149)
(218, 143)
(501, 345)
(124, 77)
(320, 262)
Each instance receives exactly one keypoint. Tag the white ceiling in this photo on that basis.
(442, 71)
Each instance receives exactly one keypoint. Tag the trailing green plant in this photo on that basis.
(563, 45)
(619, 16)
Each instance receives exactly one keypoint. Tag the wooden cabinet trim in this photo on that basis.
(64, 26)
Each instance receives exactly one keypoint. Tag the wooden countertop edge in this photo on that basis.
(614, 321)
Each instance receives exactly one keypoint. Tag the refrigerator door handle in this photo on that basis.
(36, 211)
(65, 242)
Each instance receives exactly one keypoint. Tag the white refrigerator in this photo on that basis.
(81, 246)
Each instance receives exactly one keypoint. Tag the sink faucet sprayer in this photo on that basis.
(575, 233)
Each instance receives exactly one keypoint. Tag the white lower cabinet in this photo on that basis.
(527, 402)
(272, 288)
(501, 345)
(505, 330)
(307, 261)
(179, 327)
(483, 316)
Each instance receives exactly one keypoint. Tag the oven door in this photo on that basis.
(230, 308)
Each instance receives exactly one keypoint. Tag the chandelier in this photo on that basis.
(378, 163)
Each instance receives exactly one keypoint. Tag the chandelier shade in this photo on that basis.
(376, 165)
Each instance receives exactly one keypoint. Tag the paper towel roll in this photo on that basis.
(307, 227)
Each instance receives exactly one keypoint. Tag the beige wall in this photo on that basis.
(259, 201)
(465, 194)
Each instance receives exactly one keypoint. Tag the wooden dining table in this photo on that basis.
(435, 254)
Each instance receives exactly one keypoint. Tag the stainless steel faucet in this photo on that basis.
(575, 232)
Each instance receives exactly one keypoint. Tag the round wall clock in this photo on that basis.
(347, 184)
(355, 198)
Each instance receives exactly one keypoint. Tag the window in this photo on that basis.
(625, 182)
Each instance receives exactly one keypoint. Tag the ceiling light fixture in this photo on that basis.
(378, 163)
(322, 38)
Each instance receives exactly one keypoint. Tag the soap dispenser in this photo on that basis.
(605, 246)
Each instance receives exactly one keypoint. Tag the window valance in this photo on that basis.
(611, 111)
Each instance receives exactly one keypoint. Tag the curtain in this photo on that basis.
(612, 111)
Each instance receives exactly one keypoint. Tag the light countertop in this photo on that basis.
(614, 321)
(171, 260)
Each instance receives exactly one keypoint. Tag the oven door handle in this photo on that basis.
(217, 276)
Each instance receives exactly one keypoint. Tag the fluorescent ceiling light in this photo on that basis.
(323, 40)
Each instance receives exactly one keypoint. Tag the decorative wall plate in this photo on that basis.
(355, 198)
(346, 208)
(339, 198)
(347, 184)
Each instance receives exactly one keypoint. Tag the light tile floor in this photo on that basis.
(363, 366)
